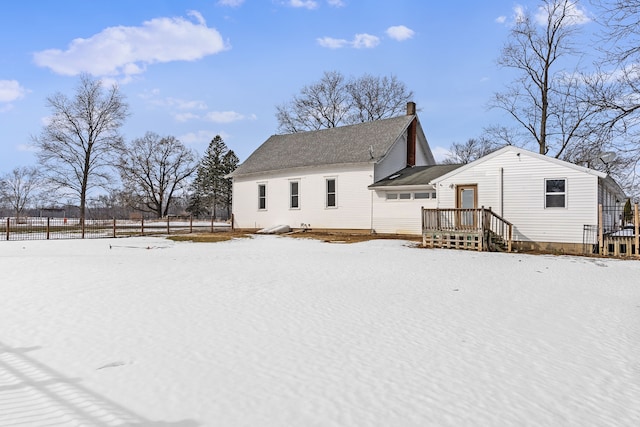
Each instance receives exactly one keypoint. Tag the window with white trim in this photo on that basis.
(331, 193)
(392, 196)
(294, 194)
(421, 195)
(404, 196)
(555, 193)
(262, 197)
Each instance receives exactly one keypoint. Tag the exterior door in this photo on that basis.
(467, 198)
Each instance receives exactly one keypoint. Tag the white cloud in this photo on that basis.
(223, 116)
(365, 41)
(400, 32)
(231, 3)
(501, 19)
(440, 153)
(519, 14)
(336, 3)
(126, 51)
(307, 4)
(574, 15)
(201, 137)
(185, 117)
(10, 90)
(28, 148)
(359, 41)
(332, 43)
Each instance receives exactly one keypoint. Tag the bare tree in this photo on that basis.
(153, 169)
(77, 142)
(335, 101)
(615, 88)
(18, 186)
(546, 100)
(375, 98)
(473, 149)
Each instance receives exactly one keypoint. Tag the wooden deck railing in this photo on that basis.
(487, 227)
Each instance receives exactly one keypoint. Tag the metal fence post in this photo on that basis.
(600, 231)
(7, 228)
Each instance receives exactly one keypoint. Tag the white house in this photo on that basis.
(319, 179)
(548, 201)
(377, 177)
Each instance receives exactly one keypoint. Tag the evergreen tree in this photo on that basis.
(211, 190)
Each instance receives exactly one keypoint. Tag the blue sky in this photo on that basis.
(197, 68)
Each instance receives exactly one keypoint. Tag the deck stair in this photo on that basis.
(470, 229)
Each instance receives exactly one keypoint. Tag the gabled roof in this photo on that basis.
(520, 151)
(412, 176)
(360, 143)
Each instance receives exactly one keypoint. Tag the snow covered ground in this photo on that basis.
(275, 331)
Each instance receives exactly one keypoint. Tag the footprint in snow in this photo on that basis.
(111, 365)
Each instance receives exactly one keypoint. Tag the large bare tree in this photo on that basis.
(76, 145)
(615, 87)
(153, 169)
(546, 99)
(18, 186)
(334, 101)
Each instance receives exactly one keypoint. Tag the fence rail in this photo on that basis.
(73, 228)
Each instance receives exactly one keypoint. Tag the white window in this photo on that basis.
(392, 196)
(421, 195)
(294, 194)
(555, 193)
(331, 194)
(262, 197)
(405, 196)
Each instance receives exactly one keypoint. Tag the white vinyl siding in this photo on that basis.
(397, 216)
(353, 199)
(522, 198)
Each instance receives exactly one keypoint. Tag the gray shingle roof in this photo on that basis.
(340, 145)
(417, 175)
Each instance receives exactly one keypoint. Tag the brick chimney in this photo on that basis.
(411, 135)
(411, 108)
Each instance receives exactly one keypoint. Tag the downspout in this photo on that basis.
(502, 192)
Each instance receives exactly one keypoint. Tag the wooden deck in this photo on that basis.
(470, 229)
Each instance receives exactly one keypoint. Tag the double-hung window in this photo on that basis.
(262, 197)
(331, 199)
(294, 194)
(555, 193)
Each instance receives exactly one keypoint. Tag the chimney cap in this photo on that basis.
(411, 108)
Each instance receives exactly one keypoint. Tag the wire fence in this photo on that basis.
(73, 228)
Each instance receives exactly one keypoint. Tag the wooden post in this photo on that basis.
(82, 226)
(636, 227)
(114, 228)
(48, 227)
(510, 231)
(481, 236)
(212, 223)
(142, 226)
(168, 228)
(190, 223)
(600, 231)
